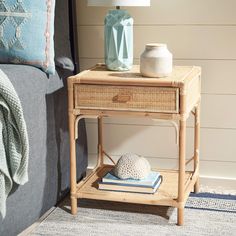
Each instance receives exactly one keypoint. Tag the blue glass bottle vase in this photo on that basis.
(118, 40)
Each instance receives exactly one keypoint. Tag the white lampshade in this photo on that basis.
(137, 3)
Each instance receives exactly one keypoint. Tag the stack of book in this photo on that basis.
(148, 185)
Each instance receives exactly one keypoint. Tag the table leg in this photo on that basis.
(100, 141)
(73, 178)
(181, 185)
(196, 145)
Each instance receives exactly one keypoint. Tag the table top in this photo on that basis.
(180, 76)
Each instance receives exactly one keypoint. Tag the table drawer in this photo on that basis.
(129, 98)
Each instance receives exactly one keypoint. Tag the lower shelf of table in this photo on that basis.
(166, 195)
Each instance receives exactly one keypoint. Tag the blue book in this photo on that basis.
(123, 187)
(149, 181)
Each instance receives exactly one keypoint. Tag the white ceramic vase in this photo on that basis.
(156, 61)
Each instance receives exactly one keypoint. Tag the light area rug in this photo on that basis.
(205, 214)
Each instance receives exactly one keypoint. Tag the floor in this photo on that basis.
(205, 188)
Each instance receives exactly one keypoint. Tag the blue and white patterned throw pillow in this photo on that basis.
(26, 33)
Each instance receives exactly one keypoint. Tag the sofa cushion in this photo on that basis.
(26, 33)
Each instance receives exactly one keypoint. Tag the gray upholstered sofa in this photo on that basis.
(44, 101)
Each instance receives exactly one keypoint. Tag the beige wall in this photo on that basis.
(198, 32)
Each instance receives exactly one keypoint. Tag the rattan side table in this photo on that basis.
(98, 93)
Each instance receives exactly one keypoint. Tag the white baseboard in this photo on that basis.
(218, 185)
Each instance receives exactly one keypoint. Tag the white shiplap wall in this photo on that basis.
(200, 33)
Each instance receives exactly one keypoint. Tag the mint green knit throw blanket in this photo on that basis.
(14, 146)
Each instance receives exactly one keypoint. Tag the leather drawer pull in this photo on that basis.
(122, 98)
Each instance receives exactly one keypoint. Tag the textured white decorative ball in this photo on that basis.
(132, 166)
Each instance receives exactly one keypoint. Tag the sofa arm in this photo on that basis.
(65, 63)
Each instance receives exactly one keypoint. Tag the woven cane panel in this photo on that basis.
(130, 98)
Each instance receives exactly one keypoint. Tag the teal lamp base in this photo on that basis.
(118, 40)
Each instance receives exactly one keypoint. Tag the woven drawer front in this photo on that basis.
(129, 98)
